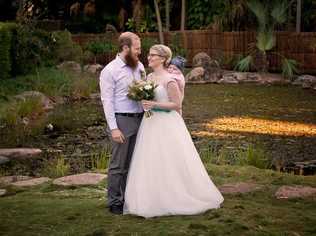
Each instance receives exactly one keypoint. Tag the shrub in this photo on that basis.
(5, 49)
(64, 48)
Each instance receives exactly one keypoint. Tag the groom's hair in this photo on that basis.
(126, 39)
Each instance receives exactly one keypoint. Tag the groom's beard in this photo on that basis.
(131, 60)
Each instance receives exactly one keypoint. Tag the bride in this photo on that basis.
(166, 176)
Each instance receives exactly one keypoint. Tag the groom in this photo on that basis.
(123, 115)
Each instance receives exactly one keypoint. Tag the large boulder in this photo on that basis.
(93, 69)
(197, 74)
(201, 60)
(46, 102)
(71, 66)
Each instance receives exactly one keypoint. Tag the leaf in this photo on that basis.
(244, 64)
(289, 67)
(265, 41)
(260, 12)
(279, 12)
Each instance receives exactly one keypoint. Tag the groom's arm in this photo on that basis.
(107, 97)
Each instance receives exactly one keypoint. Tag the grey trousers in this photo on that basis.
(121, 158)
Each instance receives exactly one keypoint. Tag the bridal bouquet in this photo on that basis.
(142, 90)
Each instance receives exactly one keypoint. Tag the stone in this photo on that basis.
(93, 68)
(31, 182)
(80, 179)
(197, 74)
(306, 81)
(286, 192)
(6, 180)
(4, 160)
(20, 153)
(201, 59)
(70, 65)
(47, 103)
(228, 79)
(2, 192)
(241, 187)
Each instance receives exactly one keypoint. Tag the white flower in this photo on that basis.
(148, 87)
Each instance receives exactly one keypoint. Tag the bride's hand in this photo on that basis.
(148, 105)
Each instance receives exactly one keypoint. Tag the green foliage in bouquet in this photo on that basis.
(141, 90)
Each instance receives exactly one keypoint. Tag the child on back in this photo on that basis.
(176, 68)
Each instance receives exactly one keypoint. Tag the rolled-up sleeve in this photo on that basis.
(107, 97)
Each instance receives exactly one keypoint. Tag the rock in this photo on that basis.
(6, 180)
(80, 179)
(93, 69)
(306, 81)
(20, 153)
(4, 160)
(31, 182)
(274, 79)
(228, 79)
(70, 65)
(201, 60)
(253, 78)
(2, 192)
(47, 103)
(285, 192)
(197, 74)
(241, 187)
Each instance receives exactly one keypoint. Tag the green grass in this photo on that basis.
(50, 210)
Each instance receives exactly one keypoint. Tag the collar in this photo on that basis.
(120, 61)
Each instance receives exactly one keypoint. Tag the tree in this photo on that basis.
(268, 17)
(298, 15)
(161, 38)
(182, 15)
(167, 15)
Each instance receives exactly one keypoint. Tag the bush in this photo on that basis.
(32, 49)
(5, 49)
(64, 48)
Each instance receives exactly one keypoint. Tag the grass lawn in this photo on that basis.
(50, 210)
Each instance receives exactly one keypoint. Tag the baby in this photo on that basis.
(176, 68)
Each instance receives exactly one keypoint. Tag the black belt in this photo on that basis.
(130, 114)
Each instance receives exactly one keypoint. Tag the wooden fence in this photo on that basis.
(225, 46)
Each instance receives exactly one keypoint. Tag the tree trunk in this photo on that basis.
(161, 39)
(298, 15)
(167, 15)
(183, 15)
(137, 13)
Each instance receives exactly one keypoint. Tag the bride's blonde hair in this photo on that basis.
(164, 52)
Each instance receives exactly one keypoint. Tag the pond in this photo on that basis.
(279, 121)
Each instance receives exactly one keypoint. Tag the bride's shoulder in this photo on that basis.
(169, 78)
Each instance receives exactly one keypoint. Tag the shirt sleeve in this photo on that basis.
(107, 97)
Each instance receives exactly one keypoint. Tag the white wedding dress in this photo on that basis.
(166, 175)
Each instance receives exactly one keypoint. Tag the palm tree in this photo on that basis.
(268, 18)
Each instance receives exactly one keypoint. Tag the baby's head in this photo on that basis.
(176, 63)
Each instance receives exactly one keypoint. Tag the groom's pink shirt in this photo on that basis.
(114, 81)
